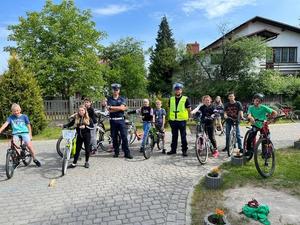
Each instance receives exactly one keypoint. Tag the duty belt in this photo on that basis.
(117, 118)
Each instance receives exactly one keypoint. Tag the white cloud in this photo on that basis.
(112, 10)
(214, 8)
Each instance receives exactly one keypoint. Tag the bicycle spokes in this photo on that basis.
(264, 158)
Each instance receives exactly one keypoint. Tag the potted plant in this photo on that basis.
(237, 159)
(217, 218)
(213, 179)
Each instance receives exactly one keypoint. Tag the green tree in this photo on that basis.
(60, 45)
(17, 85)
(162, 60)
(126, 65)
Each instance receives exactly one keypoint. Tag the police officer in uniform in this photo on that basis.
(116, 106)
(180, 108)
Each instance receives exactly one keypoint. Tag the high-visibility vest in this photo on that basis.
(180, 113)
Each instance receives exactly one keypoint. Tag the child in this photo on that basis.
(207, 112)
(220, 110)
(159, 120)
(21, 127)
(147, 116)
(83, 124)
(92, 115)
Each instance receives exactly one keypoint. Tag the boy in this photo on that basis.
(159, 120)
(92, 115)
(20, 127)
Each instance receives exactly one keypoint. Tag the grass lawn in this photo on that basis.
(286, 178)
(48, 133)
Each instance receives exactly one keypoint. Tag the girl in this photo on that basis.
(219, 107)
(83, 124)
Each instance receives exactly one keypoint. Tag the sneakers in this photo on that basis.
(116, 155)
(71, 166)
(171, 152)
(37, 163)
(128, 156)
(163, 151)
(86, 165)
(215, 153)
(184, 154)
(141, 149)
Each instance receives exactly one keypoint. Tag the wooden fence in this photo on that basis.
(62, 109)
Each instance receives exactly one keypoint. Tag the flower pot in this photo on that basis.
(208, 220)
(297, 144)
(237, 160)
(213, 182)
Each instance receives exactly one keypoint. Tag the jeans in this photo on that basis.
(229, 124)
(94, 137)
(178, 126)
(146, 129)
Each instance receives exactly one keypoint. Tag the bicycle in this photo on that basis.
(69, 136)
(263, 149)
(131, 131)
(14, 157)
(149, 143)
(202, 144)
(232, 136)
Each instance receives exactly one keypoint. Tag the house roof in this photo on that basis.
(253, 20)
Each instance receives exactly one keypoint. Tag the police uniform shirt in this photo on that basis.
(116, 102)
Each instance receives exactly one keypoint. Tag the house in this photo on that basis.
(193, 48)
(284, 39)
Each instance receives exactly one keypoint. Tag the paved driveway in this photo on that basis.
(111, 191)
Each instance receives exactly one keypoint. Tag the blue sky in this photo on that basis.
(190, 20)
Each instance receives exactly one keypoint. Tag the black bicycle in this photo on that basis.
(15, 155)
(232, 135)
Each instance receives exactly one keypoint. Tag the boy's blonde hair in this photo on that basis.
(15, 106)
(206, 96)
(146, 100)
(86, 118)
(158, 101)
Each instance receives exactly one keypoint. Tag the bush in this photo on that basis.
(17, 85)
(296, 102)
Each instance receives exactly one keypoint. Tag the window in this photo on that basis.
(285, 55)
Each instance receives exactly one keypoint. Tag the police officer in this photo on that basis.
(180, 108)
(116, 106)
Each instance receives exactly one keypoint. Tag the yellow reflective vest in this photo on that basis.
(180, 113)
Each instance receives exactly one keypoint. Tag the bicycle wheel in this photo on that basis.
(105, 141)
(232, 142)
(264, 157)
(149, 145)
(247, 154)
(10, 163)
(27, 157)
(65, 161)
(201, 150)
(60, 144)
(131, 135)
(293, 116)
(160, 141)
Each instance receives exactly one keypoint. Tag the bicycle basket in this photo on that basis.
(68, 134)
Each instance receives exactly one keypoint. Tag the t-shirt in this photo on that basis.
(187, 102)
(116, 102)
(159, 113)
(220, 108)
(147, 113)
(259, 113)
(19, 123)
(206, 111)
(233, 109)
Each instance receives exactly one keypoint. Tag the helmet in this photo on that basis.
(259, 96)
(116, 86)
(177, 86)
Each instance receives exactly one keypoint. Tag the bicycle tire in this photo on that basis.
(263, 158)
(27, 158)
(160, 142)
(132, 135)
(10, 164)
(58, 149)
(105, 141)
(201, 147)
(149, 145)
(246, 155)
(232, 142)
(65, 162)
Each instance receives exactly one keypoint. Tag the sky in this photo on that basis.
(190, 20)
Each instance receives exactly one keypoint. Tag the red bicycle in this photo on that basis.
(262, 149)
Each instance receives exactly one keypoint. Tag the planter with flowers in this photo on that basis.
(237, 159)
(217, 218)
(213, 179)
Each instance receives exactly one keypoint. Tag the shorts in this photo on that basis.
(25, 137)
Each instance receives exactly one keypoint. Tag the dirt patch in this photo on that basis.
(284, 208)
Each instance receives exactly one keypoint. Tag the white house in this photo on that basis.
(282, 38)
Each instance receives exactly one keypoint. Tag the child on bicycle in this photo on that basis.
(159, 120)
(21, 127)
(84, 125)
(207, 111)
(147, 116)
(256, 114)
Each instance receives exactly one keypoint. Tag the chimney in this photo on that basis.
(193, 48)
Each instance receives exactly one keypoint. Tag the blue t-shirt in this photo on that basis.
(159, 113)
(19, 123)
(116, 102)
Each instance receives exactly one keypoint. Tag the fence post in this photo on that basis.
(71, 104)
